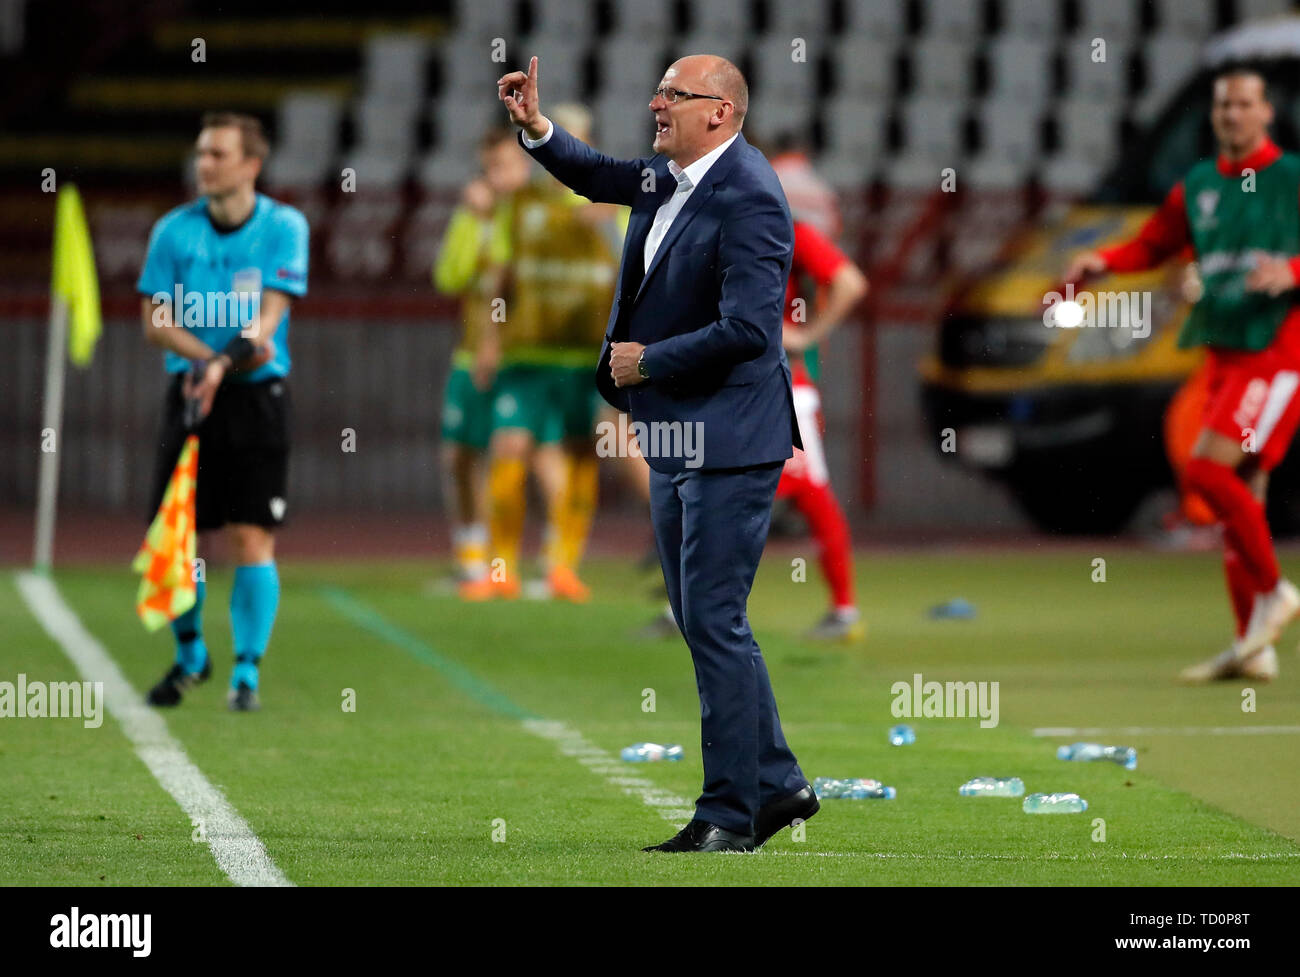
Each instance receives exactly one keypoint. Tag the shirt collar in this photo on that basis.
(691, 175)
(1267, 153)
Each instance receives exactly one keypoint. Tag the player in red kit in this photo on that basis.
(1241, 214)
(805, 481)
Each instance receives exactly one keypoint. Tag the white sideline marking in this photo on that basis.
(673, 809)
(1166, 730)
(240, 854)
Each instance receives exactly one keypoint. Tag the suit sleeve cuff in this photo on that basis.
(534, 143)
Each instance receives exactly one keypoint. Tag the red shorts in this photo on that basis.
(1254, 398)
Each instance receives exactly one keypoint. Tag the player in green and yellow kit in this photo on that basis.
(471, 263)
(562, 254)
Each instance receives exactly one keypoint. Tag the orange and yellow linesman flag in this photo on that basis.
(166, 559)
(73, 277)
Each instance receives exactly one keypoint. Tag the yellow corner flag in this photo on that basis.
(166, 558)
(73, 278)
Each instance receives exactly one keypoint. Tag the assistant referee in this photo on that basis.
(218, 280)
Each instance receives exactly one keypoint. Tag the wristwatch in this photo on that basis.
(640, 366)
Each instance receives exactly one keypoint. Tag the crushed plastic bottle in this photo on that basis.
(902, 736)
(852, 788)
(650, 752)
(1054, 804)
(1125, 756)
(992, 787)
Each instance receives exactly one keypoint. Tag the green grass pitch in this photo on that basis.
(410, 787)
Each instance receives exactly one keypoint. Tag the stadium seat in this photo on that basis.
(808, 19)
(958, 19)
(729, 46)
(884, 20)
(624, 130)
(490, 18)
(848, 171)
(635, 19)
(1105, 81)
(775, 71)
(863, 67)
(446, 169)
(467, 67)
(1031, 18)
(1112, 19)
(378, 170)
(1020, 69)
(1170, 60)
(564, 18)
(307, 139)
(941, 67)
(851, 125)
(385, 125)
(564, 77)
(1087, 139)
(629, 66)
(777, 115)
(459, 123)
(1010, 140)
(1069, 176)
(932, 141)
(721, 17)
(394, 65)
(1187, 18)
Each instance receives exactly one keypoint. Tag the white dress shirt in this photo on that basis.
(687, 180)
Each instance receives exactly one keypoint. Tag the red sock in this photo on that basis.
(1241, 587)
(1244, 523)
(831, 530)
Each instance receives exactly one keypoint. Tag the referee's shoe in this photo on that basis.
(176, 683)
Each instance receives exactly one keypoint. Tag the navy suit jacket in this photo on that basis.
(708, 310)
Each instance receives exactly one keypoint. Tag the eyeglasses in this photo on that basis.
(672, 95)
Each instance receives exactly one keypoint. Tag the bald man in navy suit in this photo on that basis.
(693, 354)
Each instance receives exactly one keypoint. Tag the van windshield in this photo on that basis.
(1161, 156)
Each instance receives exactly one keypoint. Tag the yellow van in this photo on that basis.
(1070, 419)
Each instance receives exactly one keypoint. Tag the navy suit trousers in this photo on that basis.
(711, 526)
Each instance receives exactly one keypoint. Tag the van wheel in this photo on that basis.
(1076, 506)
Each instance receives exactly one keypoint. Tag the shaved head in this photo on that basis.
(712, 112)
(725, 79)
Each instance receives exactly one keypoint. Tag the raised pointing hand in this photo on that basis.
(519, 92)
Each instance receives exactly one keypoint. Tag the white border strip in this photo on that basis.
(240, 854)
(1166, 730)
(673, 809)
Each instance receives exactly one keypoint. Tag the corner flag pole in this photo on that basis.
(74, 326)
(47, 486)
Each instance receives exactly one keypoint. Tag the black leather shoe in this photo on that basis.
(703, 836)
(775, 815)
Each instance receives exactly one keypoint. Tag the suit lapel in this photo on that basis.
(694, 204)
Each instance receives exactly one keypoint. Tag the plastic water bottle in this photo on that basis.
(1054, 804)
(1125, 756)
(650, 752)
(902, 736)
(852, 788)
(992, 787)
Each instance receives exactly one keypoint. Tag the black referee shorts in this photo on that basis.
(243, 453)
